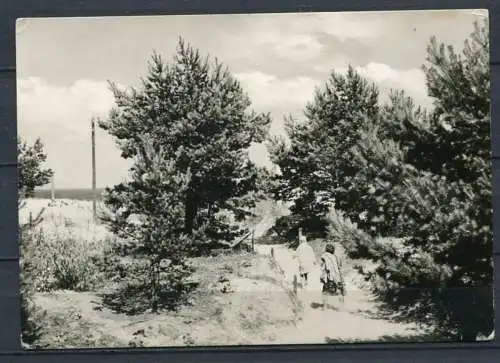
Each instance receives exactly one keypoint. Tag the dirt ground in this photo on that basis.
(353, 319)
(240, 300)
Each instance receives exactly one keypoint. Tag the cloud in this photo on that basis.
(270, 41)
(268, 91)
(44, 104)
(296, 37)
(278, 96)
(383, 73)
(325, 65)
(343, 26)
(293, 47)
(60, 116)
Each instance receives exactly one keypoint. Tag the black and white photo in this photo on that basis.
(255, 179)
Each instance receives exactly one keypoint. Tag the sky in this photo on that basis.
(64, 65)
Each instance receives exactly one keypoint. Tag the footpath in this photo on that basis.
(350, 320)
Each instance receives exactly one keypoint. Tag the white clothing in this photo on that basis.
(306, 257)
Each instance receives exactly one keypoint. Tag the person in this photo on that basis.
(306, 258)
(331, 275)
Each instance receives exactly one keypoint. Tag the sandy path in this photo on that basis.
(344, 322)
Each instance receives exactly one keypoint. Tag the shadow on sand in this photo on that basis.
(316, 306)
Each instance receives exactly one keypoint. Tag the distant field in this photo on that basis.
(79, 194)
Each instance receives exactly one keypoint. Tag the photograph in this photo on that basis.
(255, 179)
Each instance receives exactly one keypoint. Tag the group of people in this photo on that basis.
(330, 268)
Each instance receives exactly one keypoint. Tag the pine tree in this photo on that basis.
(187, 130)
(429, 181)
(315, 167)
(148, 214)
(197, 113)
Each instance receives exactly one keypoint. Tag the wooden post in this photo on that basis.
(272, 252)
(92, 122)
(295, 284)
(253, 239)
(52, 189)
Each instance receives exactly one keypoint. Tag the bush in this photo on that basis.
(62, 260)
(109, 262)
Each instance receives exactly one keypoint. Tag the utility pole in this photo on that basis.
(94, 196)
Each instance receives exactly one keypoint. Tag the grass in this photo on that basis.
(236, 299)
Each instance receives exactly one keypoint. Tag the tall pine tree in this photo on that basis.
(315, 167)
(197, 114)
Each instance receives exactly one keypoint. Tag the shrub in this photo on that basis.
(63, 260)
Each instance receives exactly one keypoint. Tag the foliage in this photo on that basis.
(147, 214)
(426, 178)
(30, 160)
(196, 112)
(187, 130)
(315, 167)
(286, 227)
